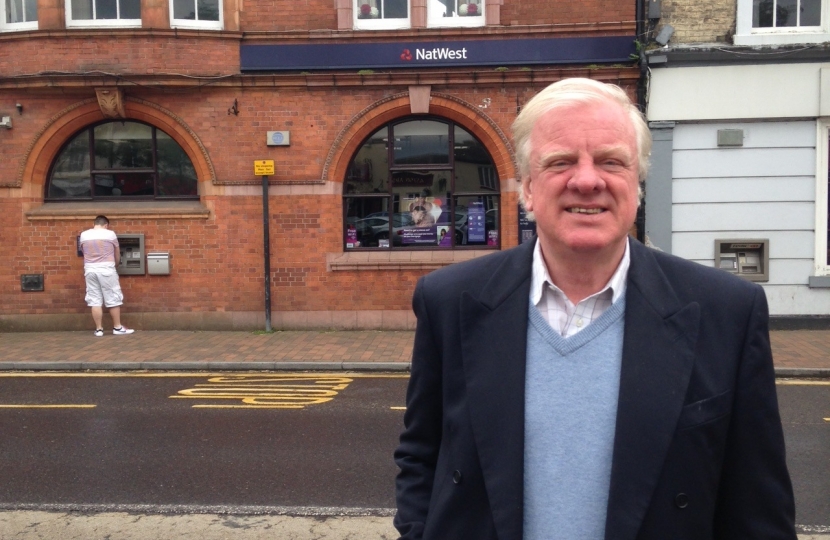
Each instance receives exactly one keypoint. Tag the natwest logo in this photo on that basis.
(406, 56)
(442, 53)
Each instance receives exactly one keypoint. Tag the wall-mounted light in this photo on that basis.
(19, 107)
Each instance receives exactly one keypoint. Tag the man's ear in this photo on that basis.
(527, 194)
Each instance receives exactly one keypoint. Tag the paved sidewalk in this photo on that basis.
(796, 352)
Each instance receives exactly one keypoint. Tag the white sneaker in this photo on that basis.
(123, 331)
(99, 333)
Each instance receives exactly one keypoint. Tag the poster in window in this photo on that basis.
(424, 213)
(475, 219)
(527, 228)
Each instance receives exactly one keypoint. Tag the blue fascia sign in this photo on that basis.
(492, 52)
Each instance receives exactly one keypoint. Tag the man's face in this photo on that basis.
(583, 186)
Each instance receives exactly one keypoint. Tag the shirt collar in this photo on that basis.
(540, 276)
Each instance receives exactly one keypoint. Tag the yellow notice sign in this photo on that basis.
(264, 167)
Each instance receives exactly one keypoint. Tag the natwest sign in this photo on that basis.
(442, 53)
(489, 52)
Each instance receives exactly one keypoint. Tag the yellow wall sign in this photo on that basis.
(264, 167)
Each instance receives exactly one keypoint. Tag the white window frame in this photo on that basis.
(196, 24)
(381, 24)
(14, 27)
(98, 23)
(822, 268)
(435, 18)
(745, 34)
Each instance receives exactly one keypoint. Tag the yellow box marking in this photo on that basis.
(796, 382)
(273, 391)
(398, 408)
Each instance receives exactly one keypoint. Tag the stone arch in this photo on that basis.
(56, 132)
(397, 106)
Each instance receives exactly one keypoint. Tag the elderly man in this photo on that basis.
(583, 386)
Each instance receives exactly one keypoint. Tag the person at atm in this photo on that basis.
(101, 256)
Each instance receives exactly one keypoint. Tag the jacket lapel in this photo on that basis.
(494, 336)
(658, 356)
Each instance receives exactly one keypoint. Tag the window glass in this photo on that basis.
(130, 159)
(785, 13)
(123, 146)
(130, 9)
(70, 173)
(382, 9)
(106, 9)
(369, 170)
(200, 10)
(21, 11)
(421, 141)
(441, 191)
(176, 175)
(81, 9)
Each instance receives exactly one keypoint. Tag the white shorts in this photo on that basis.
(103, 289)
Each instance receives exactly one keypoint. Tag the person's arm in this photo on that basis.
(755, 498)
(421, 439)
(117, 252)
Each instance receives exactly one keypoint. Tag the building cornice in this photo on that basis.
(718, 54)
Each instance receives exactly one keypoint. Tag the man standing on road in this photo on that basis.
(101, 256)
(583, 386)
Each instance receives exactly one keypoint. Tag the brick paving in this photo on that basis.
(213, 350)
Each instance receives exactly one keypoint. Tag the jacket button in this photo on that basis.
(456, 477)
(681, 500)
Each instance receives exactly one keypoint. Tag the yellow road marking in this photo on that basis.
(47, 406)
(827, 419)
(398, 408)
(267, 391)
(350, 375)
(794, 382)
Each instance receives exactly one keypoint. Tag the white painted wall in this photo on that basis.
(764, 189)
(738, 92)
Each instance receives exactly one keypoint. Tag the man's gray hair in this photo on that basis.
(568, 93)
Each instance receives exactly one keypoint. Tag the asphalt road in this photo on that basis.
(272, 442)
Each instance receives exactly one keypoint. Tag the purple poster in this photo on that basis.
(475, 219)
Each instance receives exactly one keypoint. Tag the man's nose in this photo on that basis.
(586, 177)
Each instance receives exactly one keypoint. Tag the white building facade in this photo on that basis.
(740, 159)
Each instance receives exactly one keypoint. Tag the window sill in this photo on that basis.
(782, 38)
(86, 211)
(399, 260)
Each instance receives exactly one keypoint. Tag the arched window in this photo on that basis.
(435, 187)
(121, 160)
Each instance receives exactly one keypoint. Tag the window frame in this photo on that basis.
(822, 230)
(153, 170)
(15, 26)
(456, 22)
(98, 23)
(198, 24)
(381, 24)
(745, 34)
(389, 195)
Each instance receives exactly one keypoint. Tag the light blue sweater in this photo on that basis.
(571, 391)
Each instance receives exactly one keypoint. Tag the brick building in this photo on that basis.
(739, 107)
(154, 112)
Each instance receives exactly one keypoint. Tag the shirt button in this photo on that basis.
(681, 500)
(456, 477)
(579, 323)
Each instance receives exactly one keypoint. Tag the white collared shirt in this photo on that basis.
(560, 313)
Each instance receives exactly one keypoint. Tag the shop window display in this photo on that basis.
(434, 187)
(121, 160)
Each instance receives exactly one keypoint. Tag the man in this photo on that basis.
(583, 386)
(101, 256)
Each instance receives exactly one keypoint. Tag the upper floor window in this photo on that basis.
(103, 13)
(421, 183)
(121, 160)
(780, 22)
(455, 13)
(381, 14)
(196, 14)
(18, 15)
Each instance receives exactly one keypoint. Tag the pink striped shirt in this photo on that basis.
(99, 247)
